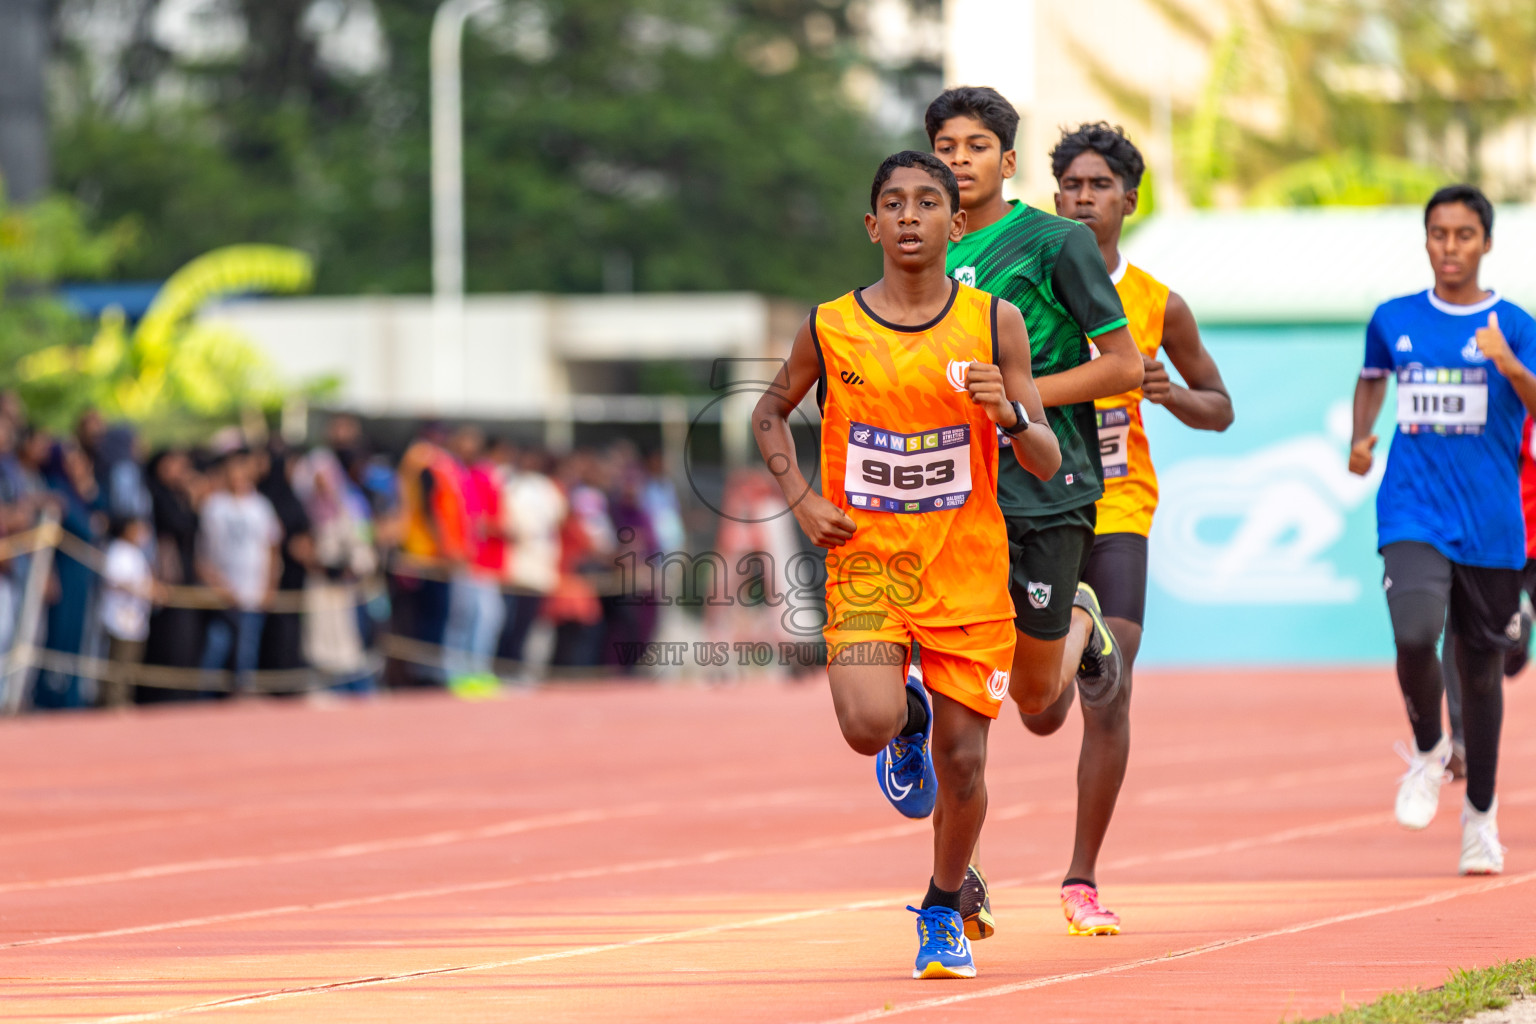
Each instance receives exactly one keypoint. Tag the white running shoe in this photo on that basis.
(1481, 851)
(1418, 798)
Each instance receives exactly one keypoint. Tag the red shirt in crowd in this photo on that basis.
(482, 502)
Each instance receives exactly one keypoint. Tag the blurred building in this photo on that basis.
(1315, 265)
(558, 360)
(1032, 52)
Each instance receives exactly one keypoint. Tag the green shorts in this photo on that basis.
(1046, 559)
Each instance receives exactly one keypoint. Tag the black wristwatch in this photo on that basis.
(1020, 426)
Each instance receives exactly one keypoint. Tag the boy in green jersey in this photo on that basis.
(1081, 349)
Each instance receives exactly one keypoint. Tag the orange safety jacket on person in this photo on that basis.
(432, 500)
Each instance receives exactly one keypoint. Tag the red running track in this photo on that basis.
(662, 854)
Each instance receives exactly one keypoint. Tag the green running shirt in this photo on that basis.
(1050, 267)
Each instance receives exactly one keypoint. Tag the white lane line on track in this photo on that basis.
(444, 837)
(1443, 896)
(1008, 813)
(1009, 776)
(1273, 838)
(116, 827)
(577, 874)
(432, 972)
(441, 837)
(206, 812)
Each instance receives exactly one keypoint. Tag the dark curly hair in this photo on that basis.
(936, 168)
(1119, 152)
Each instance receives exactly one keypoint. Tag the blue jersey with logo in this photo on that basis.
(1452, 479)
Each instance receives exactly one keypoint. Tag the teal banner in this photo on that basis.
(1263, 550)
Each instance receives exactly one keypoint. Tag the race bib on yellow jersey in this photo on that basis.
(1442, 401)
(891, 472)
(1114, 441)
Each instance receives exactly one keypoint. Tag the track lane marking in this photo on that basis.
(1008, 813)
(214, 811)
(1018, 810)
(444, 837)
(1033, 773)
(273, 995)
(1443, 896)
(572, 875)
(439, 837)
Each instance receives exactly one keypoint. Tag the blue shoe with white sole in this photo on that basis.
(905, 767)
(943, 950)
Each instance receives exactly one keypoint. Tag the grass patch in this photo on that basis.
(1464, 994)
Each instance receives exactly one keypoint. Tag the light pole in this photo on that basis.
(448, 195)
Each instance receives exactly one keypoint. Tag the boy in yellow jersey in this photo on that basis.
(1097, 172)
(914, 374)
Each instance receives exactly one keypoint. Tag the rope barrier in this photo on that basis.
(429, 655)
(605, 584)
(19, 545)
(170, 677)
(25, 656)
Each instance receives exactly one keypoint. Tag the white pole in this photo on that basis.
(448, 197)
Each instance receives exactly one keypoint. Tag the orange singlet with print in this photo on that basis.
(913, 462)
(1130, 483)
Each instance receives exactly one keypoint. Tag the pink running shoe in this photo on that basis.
(1080, 903)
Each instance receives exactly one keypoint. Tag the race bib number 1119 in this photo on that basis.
(1442, 401)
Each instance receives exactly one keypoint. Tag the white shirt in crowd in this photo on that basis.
(237, 533)
(124, 613)
(533, 508)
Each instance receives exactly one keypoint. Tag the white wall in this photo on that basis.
(1330, 264)
(516, 347)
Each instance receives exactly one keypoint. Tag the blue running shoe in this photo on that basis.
(943, 950)
(905, 768)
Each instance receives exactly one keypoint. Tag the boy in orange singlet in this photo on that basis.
(1097, 172)
(914, 375)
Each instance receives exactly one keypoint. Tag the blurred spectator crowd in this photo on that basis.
(245, 565)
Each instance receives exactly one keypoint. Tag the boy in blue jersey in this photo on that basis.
(1449, 520)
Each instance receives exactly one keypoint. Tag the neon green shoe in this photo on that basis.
(1100, 671)
(475, 687)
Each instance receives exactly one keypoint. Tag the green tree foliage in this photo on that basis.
(680, 144)
(171, 371)
(172, 368)
(1346, 101)
(40, 244)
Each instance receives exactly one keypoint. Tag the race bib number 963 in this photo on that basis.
(1442, 401)
(890, 472)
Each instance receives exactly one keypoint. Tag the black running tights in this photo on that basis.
(1418, 616)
